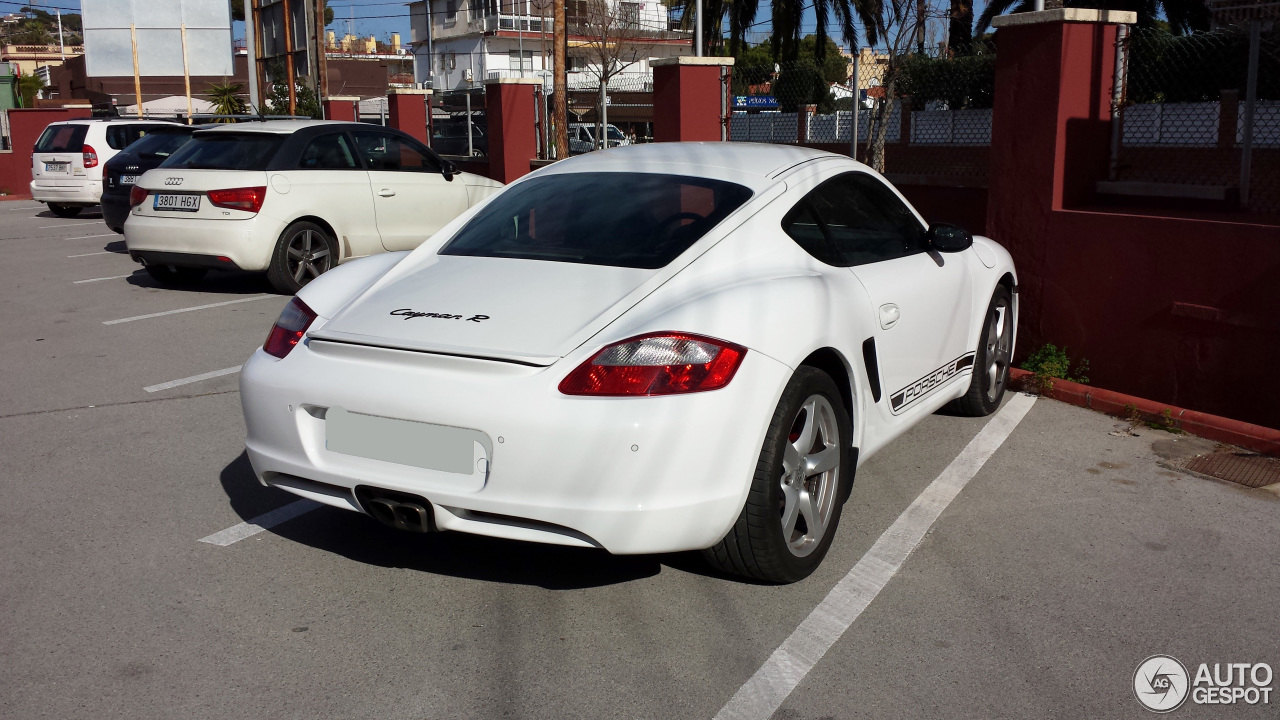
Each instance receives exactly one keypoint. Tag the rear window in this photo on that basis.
(638, 220)
(160, 144)
(120, 137)
(62, 138)
(226, 151)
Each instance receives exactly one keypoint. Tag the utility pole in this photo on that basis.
(322, 60)
(62, 49)
(697, 21)
(289, 75)
(560, 113)
(251, 51)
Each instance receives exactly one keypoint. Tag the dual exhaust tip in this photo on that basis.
(402, 511)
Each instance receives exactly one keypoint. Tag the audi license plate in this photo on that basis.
(57, 167)
(185, 203)
(130, 179)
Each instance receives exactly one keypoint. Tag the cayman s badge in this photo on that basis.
(409, 314)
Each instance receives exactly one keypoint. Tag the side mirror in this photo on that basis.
(448, 169)
(945, 237)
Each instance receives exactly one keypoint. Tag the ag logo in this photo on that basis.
(1161, 683)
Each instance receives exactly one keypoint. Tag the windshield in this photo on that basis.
(62, 138)
(159, 144)
(615, 134)
(226, 151)
(639, 220)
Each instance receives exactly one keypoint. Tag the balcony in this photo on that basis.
(581, 80)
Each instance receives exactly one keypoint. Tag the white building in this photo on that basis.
(458, 44)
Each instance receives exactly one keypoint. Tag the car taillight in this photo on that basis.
(288, 330)
(249, 198)
(137, 196)
(90, 156)
(656, 364)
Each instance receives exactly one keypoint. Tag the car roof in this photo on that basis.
(280, 127)
(696, 159)
(115, 121)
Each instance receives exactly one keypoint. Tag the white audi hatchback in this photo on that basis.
(291, 198)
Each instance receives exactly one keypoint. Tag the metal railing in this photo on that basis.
(1198, 117)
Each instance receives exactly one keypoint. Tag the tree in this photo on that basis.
(28, 87)
(226, 98)
(278, 95)
(616, 38)
(1183, 16)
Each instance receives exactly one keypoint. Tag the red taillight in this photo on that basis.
(137, 196)
(656, 364)
(288, 330)
(249, 198)
(90, 156)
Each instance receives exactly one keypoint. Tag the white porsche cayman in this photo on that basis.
(649, 349)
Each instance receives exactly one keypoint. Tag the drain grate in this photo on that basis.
(1247, 469)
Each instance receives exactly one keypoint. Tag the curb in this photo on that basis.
(1212, 427)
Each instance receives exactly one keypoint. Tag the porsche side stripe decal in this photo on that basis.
(925, 385)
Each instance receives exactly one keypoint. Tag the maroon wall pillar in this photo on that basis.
(686, 98)
(341, 107)
(512, 111)
(407, 111)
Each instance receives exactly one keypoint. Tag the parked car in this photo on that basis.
(449, 137)
(123, 170)
(291, 198)
(582, 137)
(669, 347)
(68, 158)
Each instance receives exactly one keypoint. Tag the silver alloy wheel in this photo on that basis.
(998, 342)
(810, 475)
(308, 255)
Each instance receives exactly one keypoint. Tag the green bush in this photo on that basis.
(1049, 363)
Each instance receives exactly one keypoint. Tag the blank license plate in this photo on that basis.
(57, 167)
(131, 179)
(186, 203)
(404, 442)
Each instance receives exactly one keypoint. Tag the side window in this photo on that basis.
(383, 151)
(854, 219)
(120, 137)
(328, 152)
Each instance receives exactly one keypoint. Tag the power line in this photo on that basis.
(40, 7)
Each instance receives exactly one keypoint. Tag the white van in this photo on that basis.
(67, 162)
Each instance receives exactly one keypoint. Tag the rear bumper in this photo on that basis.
(115, 210)
(155, 257)
(248, 244)
(88, 192)
(631, 475)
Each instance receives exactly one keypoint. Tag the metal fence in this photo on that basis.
(917, 113)
(1198, 117)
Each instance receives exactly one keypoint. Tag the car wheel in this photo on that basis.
(174, 275)
(65, 211)
(991, 361)
(793, 507)
(302, 254)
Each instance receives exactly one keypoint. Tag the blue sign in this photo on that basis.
(755, 102)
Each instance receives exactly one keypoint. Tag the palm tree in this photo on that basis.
(1183, 16)
(785, 16)
(226, 98)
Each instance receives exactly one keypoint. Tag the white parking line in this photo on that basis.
(113, 277)
(67, 225)
(188, 309)
(765, 692)
(265, 521)
(104, 252)
(82, 237)
(192, 379)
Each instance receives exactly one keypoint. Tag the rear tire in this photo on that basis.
(65, 211)
(799, 487)
(175, 276)
(303, 253)
(991, 361)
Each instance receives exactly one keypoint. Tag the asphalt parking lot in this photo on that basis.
(1068, 558)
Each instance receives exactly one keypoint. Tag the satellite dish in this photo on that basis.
(873, 82)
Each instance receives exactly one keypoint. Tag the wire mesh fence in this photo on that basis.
(917, 113)
(1189, 126)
